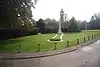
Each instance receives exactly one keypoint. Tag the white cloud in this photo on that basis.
(81, 9)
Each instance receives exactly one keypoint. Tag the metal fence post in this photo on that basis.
(97, 34)
(38, 48)
(55, 46)
(77, 41)
(88, 37)
(92, 36)
(84, 39)
(19, 48)
(67, 43)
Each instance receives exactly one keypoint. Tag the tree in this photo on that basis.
(41, 26)
(73, 26)
(51, 25)
(13, 12)
(95, 21)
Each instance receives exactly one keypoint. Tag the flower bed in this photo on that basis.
(58, 37)
(55, 39)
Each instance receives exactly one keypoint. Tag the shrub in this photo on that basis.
(33, 31)
(9, 34)
(55, 39)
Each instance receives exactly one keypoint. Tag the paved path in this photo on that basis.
(88, 56)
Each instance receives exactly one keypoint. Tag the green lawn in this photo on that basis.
(29, 43)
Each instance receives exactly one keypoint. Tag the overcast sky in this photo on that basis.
(80, 9)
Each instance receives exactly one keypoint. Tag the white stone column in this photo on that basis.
(61, 20)
(59, 30)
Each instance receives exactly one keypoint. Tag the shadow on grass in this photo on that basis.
(11, 41)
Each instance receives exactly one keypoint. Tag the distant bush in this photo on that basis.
(8, 34)
(33, 31)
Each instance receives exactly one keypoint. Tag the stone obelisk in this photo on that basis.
(61, 20)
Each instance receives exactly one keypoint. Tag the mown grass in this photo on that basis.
(29, 43)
